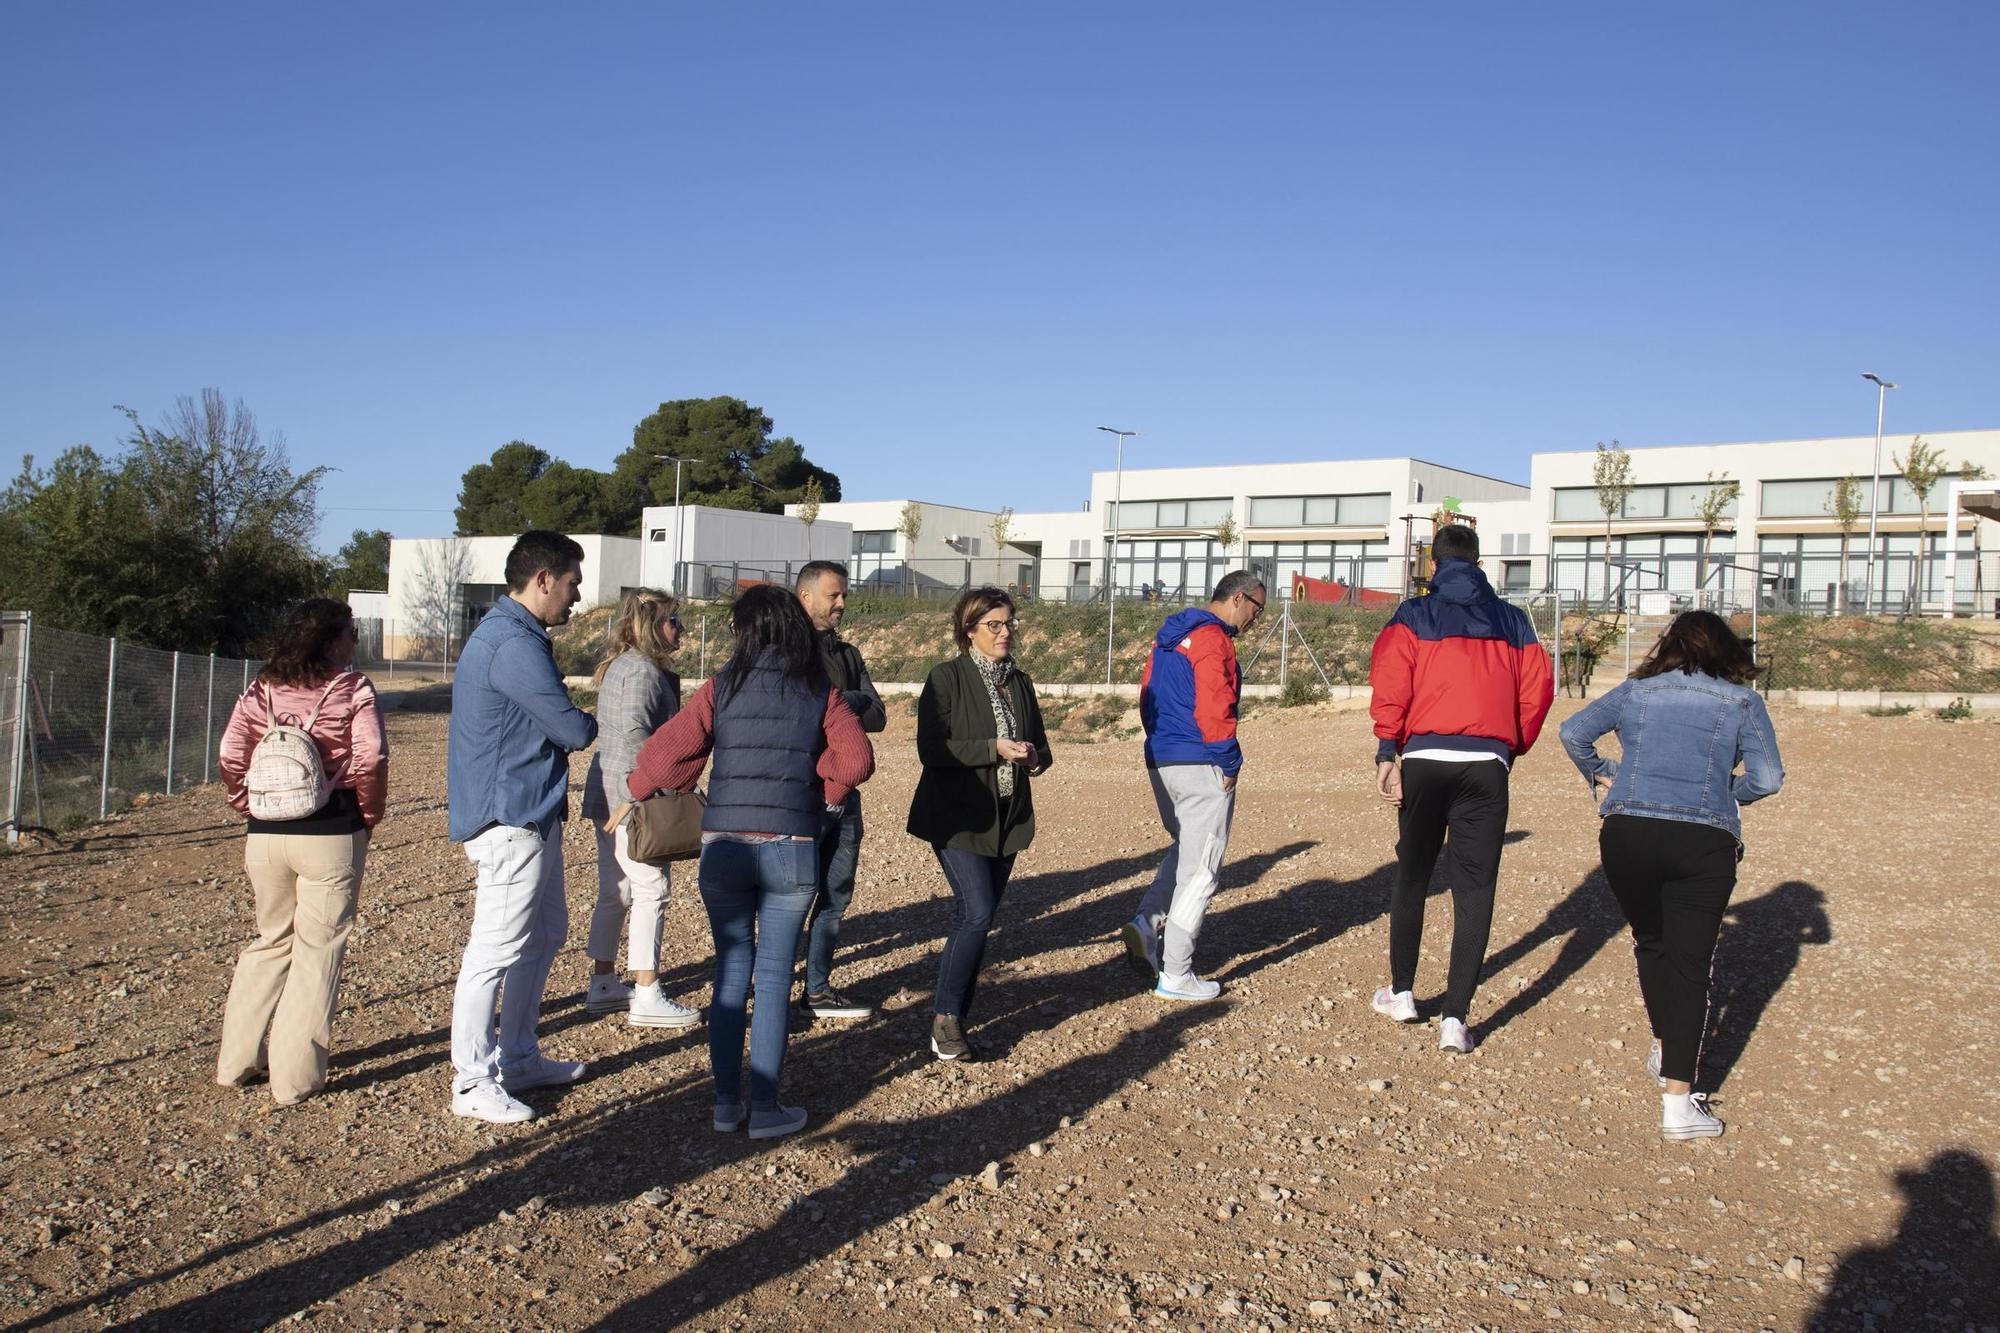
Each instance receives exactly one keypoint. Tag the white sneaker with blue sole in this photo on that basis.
(1186, 988)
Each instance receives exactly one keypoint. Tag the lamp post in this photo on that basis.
(680, 517)
(1111, 552)
(1882, 388)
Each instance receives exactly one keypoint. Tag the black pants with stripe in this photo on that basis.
(1673, 880)
(1459, 809)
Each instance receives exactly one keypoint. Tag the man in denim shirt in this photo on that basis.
(507, 778)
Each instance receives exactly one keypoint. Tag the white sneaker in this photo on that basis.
(1685, 1115)
(489, 1102)
(1400, 1005)
(1453, 1037)
(652, 1009)
(777, 1122)
(543, 1073)
(608, 995)
(1189, 987)
(1142, 948)
(729, 1117)
(1653, 1063)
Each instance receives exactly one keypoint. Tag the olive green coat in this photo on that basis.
(957, 804)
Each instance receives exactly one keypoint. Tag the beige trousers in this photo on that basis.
(288, 978)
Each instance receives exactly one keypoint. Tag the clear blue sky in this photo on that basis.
(938, 243)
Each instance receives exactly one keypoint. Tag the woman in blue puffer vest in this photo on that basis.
(1671, 837)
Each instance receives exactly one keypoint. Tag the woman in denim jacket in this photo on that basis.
(1671, 835)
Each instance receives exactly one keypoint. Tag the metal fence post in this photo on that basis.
(110, 693)
(21, 724)
(704, 645)
(173, 716)
(246, 673)
(1284, 645)
(208, 721)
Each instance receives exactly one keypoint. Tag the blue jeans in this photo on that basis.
(976, 885)
(757, 895)
(839, 850)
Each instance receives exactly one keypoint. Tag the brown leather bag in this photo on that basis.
(664, 827)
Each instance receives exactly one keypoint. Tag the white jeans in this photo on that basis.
(627, 887)
(1197, 812)
(519, 920)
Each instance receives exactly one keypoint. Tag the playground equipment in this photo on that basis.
(1419, 564)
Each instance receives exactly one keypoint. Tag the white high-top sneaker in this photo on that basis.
(1685, 1115)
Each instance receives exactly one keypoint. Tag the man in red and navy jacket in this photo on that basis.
(1461, 688)
(1188, 705)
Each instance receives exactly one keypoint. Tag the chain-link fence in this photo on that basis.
(90, 724)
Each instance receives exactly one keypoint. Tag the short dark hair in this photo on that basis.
(973, 604)
(299, 657)
(1700, 641)
(1455, 541)
(536, 550)
(812, 569)
(1235, 581)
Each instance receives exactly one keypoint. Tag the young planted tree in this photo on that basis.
(1611, 473)
(910, 525)
(1226, 533)
(1844, 503)
(1001, 527)
(810, 497)
(1712, 508)
(1923, 468)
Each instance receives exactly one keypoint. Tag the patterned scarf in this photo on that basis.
(996, 675)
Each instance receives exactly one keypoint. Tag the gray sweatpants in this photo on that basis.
(1196, 811)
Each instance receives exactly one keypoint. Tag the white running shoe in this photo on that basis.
(777, 1123)
(1400, 1005)
(608, 995)
(1653, 1063)
(489, 1102)
(1453, 1037)
(652, 1009)
(543, 1073)
(1189, 987)
(1142, 948)
(1685, 1115)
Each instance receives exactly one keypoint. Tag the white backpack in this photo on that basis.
(287, 778)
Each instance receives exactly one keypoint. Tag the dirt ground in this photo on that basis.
(1281, 1159)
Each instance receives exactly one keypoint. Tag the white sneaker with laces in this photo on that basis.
(608, 995)
(1685, 1115)
(1189, 987)
(1453, 1037)
(1400, 1005)
(490, 1102)
(1142, 948)
(652, 1009)
(543, 1073)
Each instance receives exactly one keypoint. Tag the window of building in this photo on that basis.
(1363, 564)
(1814, 498)
(1138, 515)
(874, 543)
(1678, 501)
(1323, 511)
(1514, 575)
(1185, 570)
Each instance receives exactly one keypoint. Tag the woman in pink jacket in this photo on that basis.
(305, 872)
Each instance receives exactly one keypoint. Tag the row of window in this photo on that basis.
(1780, 499)
(1266, 511)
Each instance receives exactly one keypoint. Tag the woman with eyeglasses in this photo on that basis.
(304, 864)
(980, 740)
(637, 692)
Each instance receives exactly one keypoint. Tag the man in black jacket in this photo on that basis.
(822, 589)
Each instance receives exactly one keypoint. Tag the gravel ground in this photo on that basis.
(1281, 1159)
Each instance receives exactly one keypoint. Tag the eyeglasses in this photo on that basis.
(996, 626)
(675, 621)
(1254, 602)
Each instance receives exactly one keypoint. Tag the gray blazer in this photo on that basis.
(635, 700)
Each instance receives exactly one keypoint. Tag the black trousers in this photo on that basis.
(1461, 810)
(1673, 880)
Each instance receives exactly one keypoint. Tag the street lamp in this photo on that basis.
(680, 515)
(1882, 388)
(1111, 552)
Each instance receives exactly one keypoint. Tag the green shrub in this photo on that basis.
(1958, 710)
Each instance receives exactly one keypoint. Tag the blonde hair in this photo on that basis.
(641, 625)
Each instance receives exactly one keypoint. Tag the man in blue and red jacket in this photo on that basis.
(1188, 705)
(1461, 687)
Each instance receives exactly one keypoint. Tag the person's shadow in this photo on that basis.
(1762, 940)
(1585, 921)
(1941, 1271)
